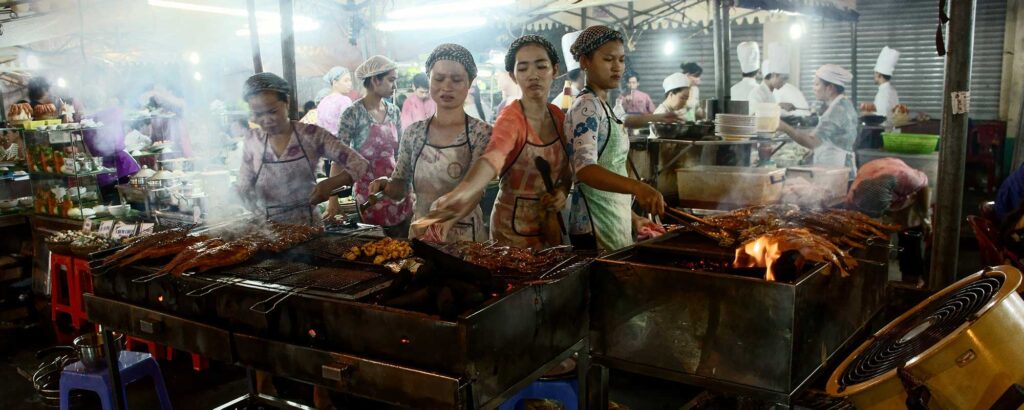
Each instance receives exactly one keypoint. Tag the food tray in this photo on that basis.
(267, 270)
(329, 279)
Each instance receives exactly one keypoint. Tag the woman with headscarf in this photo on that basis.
(329, 109)
(832, 140)
(435, 154)
(278, 174)
(528, 130)
(600, 215)
(372, 127)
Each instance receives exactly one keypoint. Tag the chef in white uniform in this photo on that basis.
(572, 69)
(886, 98)
(750, 63)
(776, 74)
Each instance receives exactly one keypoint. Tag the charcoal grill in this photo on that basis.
(669, 309)
(333, 334)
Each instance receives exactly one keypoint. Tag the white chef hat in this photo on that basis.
(834, 74)
(887, 59)
(779, 59)
(675, 80)
(750, 56)
(567, 40)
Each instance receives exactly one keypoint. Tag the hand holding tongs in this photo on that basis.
(545, 173)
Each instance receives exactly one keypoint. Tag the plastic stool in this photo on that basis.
(158, 352)
(562, 391)
(199, 363)
(133, 366)
(65, 291)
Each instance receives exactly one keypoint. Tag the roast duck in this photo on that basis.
(44, 111)
(20, 112)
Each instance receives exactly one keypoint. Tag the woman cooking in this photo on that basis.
(277, 178)
(435, 154)
(832, 140)
(600, 214)
(371, 127)
(528, 131)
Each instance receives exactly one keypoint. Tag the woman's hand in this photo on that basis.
(459, 202)
(378, 185)
(321, 192)
(649, 198)
(332, 209)
(554, 201)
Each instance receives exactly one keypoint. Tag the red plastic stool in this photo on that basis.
(84, 276)
(199, 363)
(153, 348)
(65, 290)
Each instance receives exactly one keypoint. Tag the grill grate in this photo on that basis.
(268, 270)
(330, 279)
(920, 331)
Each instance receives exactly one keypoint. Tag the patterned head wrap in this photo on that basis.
(373, 66)
(265, 82)
(874, 196)
(593, 38)
(510, 56)
(453, 52)
(335, 73)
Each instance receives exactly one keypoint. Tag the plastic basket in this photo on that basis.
(909, 143)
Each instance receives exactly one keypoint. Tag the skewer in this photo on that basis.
(685, 215)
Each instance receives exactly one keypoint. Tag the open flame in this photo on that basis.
(759, 253)
(795, 246)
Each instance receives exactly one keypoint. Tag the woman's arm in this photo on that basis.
(602, 179)
(641, 120)
(803, 138)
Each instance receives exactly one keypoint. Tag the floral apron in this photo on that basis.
(517, 218)
(379, 150)
(436, 171)
(284, 196)
(609, 213)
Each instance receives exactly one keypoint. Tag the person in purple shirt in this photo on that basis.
(107, 142)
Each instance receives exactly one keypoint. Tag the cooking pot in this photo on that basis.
(90, 350)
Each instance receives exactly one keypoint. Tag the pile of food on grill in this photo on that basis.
(763, 235)
(212, 249)
(507, 260)
(380, 251)
(78, 242)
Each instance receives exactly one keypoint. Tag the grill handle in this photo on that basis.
(336, 371)
(269, 304)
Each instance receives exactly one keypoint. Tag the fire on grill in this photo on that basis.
(786, 237)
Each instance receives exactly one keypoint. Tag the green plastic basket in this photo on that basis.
(909, 143)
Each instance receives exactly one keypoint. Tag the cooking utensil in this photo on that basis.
(91, 351)
(372, 200)
(545, 173)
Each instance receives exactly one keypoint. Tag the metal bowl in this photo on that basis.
(678, 130)
(91, 352)
(872, 120)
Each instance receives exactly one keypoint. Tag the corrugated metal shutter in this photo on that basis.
(909, 26)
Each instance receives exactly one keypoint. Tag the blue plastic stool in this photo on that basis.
(133, 365)
(564, 391)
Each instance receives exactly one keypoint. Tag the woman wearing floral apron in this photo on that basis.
(600, 214)
(526, 212)
(371, 127)
(434, 155)
(277, 177)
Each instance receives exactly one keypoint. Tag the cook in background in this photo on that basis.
(418, 106)
(108, 142)
(600, 214)
(525, 212)
(312, 113)
(886, 98)
(634, 101)
(329, 110)
(510, 91)
(573, 75)
(277, 179)
(749, 54)
(693, 111)
(888, 189)
(434, 155)
(776, 74)
(832, 139)
(677, 92)
(371, 127)
(169, 124)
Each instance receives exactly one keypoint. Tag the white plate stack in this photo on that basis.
(733, 127)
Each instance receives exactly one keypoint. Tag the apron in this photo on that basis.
(284, 198)
(516, 218)
(379, 150)
(609, 212)
(829, 154)
(436, 171)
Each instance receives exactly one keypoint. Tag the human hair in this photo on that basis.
(420, 80)
(368, 81)
(691, 69)
(574, 74)
(750, 74)
(770, 76)
(633, 74)
(839, 89)
(886, 77)
(673, 91)
(37, 89)
(309, 105)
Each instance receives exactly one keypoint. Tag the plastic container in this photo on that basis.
(833, 180)
(909, 143)
(768, 116)
(743, 186)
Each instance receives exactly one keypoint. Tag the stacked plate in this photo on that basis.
(735, 126)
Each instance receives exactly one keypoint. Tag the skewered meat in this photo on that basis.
(767, 249)
(191, 252)
(228, 254)
(509, 260)
(145, 242)
(161, 251)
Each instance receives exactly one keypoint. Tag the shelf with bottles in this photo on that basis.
(59, 196)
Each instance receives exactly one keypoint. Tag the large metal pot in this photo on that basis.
(91, 351)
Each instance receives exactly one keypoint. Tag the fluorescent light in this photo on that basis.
(198, 76)
(796, 30)
(434, 23)
(61, 83)
(669, 48)
(193, 58)
(459, 7)
(264, 17)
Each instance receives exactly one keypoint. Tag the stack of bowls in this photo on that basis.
(734, 127)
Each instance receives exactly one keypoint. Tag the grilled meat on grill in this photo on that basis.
(191, 252)
(145, 242)
(228, 254)
(768, 248)
(165, 250)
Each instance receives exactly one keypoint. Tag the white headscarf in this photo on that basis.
(834, 74)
